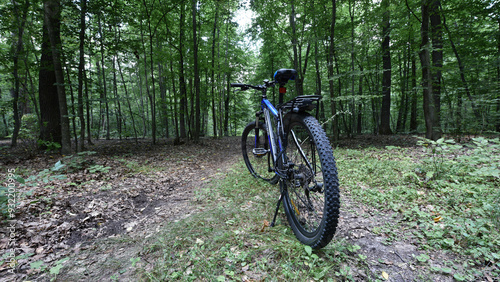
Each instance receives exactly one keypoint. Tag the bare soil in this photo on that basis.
(99, 219)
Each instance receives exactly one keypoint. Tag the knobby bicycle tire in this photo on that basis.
(256, 152)
(311, 199)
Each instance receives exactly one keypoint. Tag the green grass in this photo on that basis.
(444, 196)
(229, 240)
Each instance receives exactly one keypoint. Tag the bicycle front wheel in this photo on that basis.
(311, 199)
(257, 153)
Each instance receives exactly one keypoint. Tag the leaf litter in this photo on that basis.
(99, 219)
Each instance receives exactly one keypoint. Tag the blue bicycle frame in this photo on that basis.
(268, 109)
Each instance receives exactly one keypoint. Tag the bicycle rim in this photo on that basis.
(312, 198)
(256, 152)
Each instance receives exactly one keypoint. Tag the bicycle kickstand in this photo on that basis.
(278, 207)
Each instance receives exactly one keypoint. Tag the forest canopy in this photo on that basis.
(75, 71)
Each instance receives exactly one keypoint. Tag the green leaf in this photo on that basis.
(423, 258)
(20, 180)
(134, 261)
(58, 166)
(36, 264)
(450, 242)
(459, 277)
(55, 270)
(308, 250)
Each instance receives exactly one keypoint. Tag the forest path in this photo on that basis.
(100, 220)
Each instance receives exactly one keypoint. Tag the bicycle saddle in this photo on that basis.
(282, 76)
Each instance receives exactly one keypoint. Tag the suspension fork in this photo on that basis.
(257, 129)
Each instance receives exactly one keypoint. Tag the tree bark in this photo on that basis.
(104, 94)
(182, 80)
(118, 110)
(52, 19)
(425, 60)
(212, 74)
(330, 60)
(414, 97)
(17, 49)
(437, 63)
(197, 117)
(81, 72)
(385, 114)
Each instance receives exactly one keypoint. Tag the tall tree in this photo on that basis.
(182, 80)
(425, 61)
(81, 72)
(197, 116)
(385, 115)
(20, 12)
(212, 73)
(330, 59)
(437, 62)
(52, 9)
(50, 127)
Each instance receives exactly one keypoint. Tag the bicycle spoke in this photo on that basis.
(309, 184)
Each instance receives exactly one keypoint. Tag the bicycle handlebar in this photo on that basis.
(256, 87)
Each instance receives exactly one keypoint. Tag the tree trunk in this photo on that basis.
(350, 131)
(403, 77)
(53, 20)
(104, 95)
(212, 74)
(414, 97)
(128, 100)
(88, 110)
(81, 70)
(296, 66)
(163, 96)
(330, 59)
(151, 94)
(173, 105)
(118, 110)
(17, 50)
(197, 117)
(429, 108)
(385, 114)
(360, 103)
(182, 80)
(437, 63)
(73, 113)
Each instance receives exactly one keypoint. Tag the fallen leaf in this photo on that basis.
(266, 224)
(385, 275)
(438, 219)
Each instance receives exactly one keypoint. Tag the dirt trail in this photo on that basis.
(101, 219)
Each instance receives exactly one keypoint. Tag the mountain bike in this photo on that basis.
(287, 145)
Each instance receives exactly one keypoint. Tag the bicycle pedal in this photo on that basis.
(259, 152)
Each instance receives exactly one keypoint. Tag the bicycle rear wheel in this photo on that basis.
(311, 199)
(257, 153)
